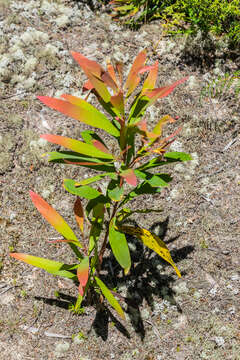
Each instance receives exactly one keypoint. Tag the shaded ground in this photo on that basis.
(196, 317)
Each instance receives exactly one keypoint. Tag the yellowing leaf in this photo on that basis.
(152, 241)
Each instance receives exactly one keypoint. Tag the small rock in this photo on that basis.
(219, 340)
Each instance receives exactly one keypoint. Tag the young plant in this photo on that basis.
(138, 150)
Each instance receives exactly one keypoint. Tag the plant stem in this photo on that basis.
(103, 248)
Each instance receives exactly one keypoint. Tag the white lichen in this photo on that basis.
(62, 21)
(30, 65)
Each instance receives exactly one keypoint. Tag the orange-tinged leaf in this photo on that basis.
(118, 102)
(129, 176)
(76, 146)
(87, 86)
(119, 67)
(151, 79)
(133, 77)
(152, 241)
(82, 111)
(53, 217)
(94, 72)
(100, 146)
(111, 72)
(79, 213)
(83, 270)
(88, 65)
(83, 163)
(163, 91)
(106, 77)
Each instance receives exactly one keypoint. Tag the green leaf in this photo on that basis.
(101, 199)
(51, 266)
(124, 213)
(97, 224)
(154, 180)
(138, 108)
(89, 136)
(180, 156)
(86, 192)
(116, 194)
(72, 158)
(93, 179)
(109, 296)
(141, 189)
(119, 246)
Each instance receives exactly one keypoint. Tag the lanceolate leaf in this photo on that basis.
(170, 157)
(86, 192)
(51, 266)
(69, 157)
(147, 98)
(150, 81)
(163, 91)
(77, 146)
(53, 217)
(82, 274)
(93, 179)
(109, 296)
(154, 180)
(81, 110)
(133, 77)
(152, 241)
(119, 246)
(118, 102)
(99, 145)
(181, 156)
(79, 213)
(94, 72)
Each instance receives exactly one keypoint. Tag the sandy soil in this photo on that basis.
(195, 317)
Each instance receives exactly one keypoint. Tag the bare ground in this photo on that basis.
(195, 317)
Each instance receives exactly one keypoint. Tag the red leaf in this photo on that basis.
(164, 91)
(100, 146)
(129, 176)
(79, 214)
(82, 272)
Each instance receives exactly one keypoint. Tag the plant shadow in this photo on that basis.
(145, 280)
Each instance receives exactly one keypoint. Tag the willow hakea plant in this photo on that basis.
(128, 170)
